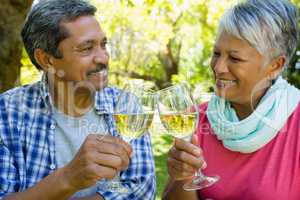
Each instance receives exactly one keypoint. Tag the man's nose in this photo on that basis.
(101, 56)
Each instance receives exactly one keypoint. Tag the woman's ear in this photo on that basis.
(43, 59)
(276, 66)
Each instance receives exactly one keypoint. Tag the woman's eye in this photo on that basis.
(235, 59)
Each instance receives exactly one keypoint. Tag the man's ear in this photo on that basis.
(276, 66)
(43, 59)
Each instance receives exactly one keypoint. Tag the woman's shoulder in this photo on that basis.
(203, 107)
(294, 117)
(297, 110)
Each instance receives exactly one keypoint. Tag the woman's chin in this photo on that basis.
(225, 94)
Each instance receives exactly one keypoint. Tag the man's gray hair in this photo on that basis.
(270, 26)
(43, 29)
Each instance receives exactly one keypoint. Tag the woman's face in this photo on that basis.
(238, 69)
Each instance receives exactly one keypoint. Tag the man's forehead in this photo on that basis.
(84, 28)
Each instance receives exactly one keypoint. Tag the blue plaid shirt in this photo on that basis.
(27, 148)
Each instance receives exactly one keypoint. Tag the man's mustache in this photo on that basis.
(99, 68)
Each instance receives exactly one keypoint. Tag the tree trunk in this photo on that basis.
(12, 15)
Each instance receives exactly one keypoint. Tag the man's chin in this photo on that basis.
(101, 86)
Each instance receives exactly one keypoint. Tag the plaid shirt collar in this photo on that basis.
(102, 105)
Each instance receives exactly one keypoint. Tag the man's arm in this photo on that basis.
(99, 157)
(95, 197)
(51, 187)
(140, 174)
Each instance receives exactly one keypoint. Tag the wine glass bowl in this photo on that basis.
(134, 110)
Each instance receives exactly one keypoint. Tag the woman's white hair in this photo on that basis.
(270, 26)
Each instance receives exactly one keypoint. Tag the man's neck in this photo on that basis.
(72, 100)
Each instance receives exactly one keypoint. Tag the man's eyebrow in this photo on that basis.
(87, 42)
(104, 39)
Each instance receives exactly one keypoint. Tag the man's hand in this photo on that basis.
(98, 157)
(184, 159)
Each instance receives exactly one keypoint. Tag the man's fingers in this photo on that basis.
(125, 145)
(113, 140)
(111, 149)
(111, 161)
(106, 145)
(103, 171)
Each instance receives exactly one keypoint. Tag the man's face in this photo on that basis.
(85, 57)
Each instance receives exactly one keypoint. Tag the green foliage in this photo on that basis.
(141, 30)
(29, 73)
(161, 145)
(293, 71)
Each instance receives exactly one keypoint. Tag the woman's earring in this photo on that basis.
(272, 79)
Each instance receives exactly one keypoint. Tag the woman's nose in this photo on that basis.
(220, 65)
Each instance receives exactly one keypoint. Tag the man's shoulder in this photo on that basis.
(19, 95)
(110, 91)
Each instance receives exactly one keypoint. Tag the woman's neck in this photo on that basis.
(243, 110)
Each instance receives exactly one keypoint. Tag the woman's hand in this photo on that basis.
(184, 159)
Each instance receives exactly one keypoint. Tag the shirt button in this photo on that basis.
(52, 166)
(52, 127)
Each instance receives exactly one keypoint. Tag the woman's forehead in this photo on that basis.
(229, 41)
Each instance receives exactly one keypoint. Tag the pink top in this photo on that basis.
(273, 172)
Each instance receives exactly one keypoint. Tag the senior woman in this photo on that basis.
(253, 137)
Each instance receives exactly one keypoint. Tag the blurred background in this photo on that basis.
(155, 41)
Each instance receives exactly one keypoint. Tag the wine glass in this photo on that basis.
(134, 110)
(133, 115)
(179, 116)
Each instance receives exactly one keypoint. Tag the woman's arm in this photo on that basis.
(174, 191)
(184, 160)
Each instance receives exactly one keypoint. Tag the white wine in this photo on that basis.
(181, 125)
(132, 126)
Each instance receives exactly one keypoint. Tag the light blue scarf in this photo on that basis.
(259, 128)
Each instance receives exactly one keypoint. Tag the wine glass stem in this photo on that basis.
(200, 177)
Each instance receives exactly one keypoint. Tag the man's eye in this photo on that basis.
(104, 45)
(216, 54)
(89, 48)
